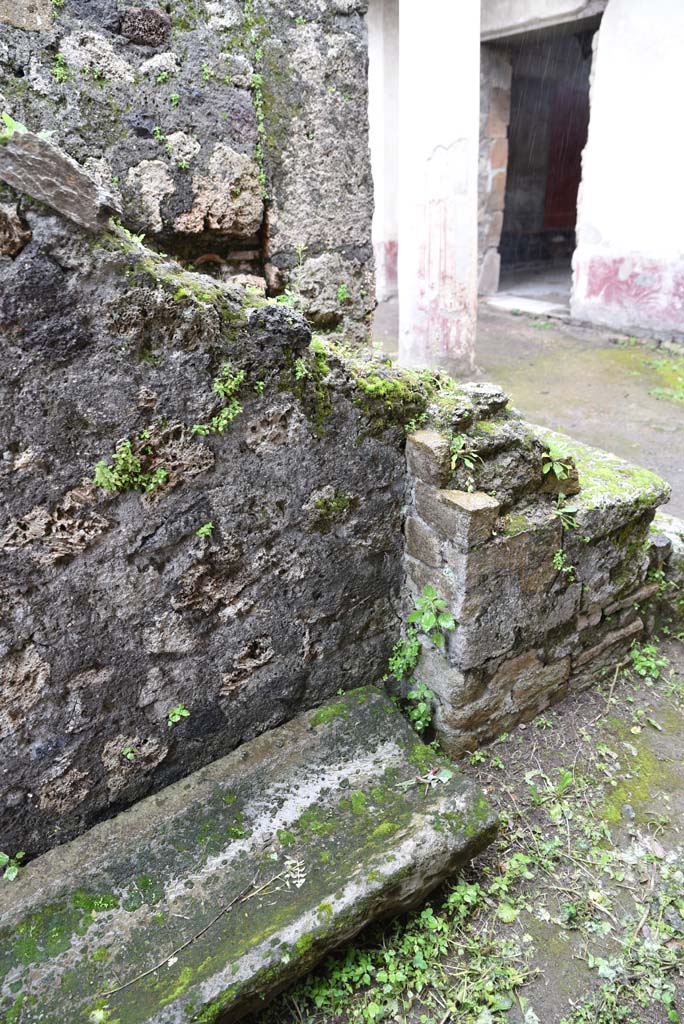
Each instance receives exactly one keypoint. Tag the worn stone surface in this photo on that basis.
(429, 457)
(30, 15)
(252, 869)
(462, 518)
(37, 168)
(229, 129)
(112, 609)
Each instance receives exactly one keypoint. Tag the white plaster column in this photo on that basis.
(629, 262)
(439, 99)
(383, 96)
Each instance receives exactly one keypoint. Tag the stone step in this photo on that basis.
(199, 902)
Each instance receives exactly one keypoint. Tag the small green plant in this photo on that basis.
(228, 382)
(227, 385)
(206, 71)
(343, 293)
(12, 865)
(136, 239)
(206, 530)
(415, 424)
(130, 753)
(126, 473)
(461, 454)
(158, 135)
(59, 69)
(553, 461)
(419, 707)
(566, 513)
(260, 386)
(301, 370)
(162, 77)
(647, 661)
(404, 656)
(174, 99)
(11, 128)
(560, 564)
(432, 617)
(57, 5)
(175, 715)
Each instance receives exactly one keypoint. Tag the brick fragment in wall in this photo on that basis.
(464, 519)
(422, 543)
(627, 633)
(638, 597)
(498, 155)
(525, 687)
(429, 457)
(590, 618)
(499, 114)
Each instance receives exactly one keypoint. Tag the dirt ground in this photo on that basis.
(623, 395)
(576, 914)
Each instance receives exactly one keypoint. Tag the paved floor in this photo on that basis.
(583, 381)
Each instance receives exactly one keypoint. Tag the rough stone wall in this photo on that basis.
(113, 610)
(495, 106)
(544, 608)
(667, 570)
(228, 130)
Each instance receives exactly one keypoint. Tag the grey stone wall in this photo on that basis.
(113, 610)
(233, 134)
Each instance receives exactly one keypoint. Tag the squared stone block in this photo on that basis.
(465, 519)
(429, 457)
(498, 157)
(422, 543)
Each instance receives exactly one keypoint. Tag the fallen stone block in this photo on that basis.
(198, 902)
(38, 168)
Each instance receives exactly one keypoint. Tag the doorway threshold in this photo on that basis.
(524, 304)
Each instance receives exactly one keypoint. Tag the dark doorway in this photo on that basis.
(547, 134)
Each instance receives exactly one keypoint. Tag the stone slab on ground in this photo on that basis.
(198, 901)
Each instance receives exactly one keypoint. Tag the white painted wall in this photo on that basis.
(438, 164)
(629, 262)
(383, 87)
